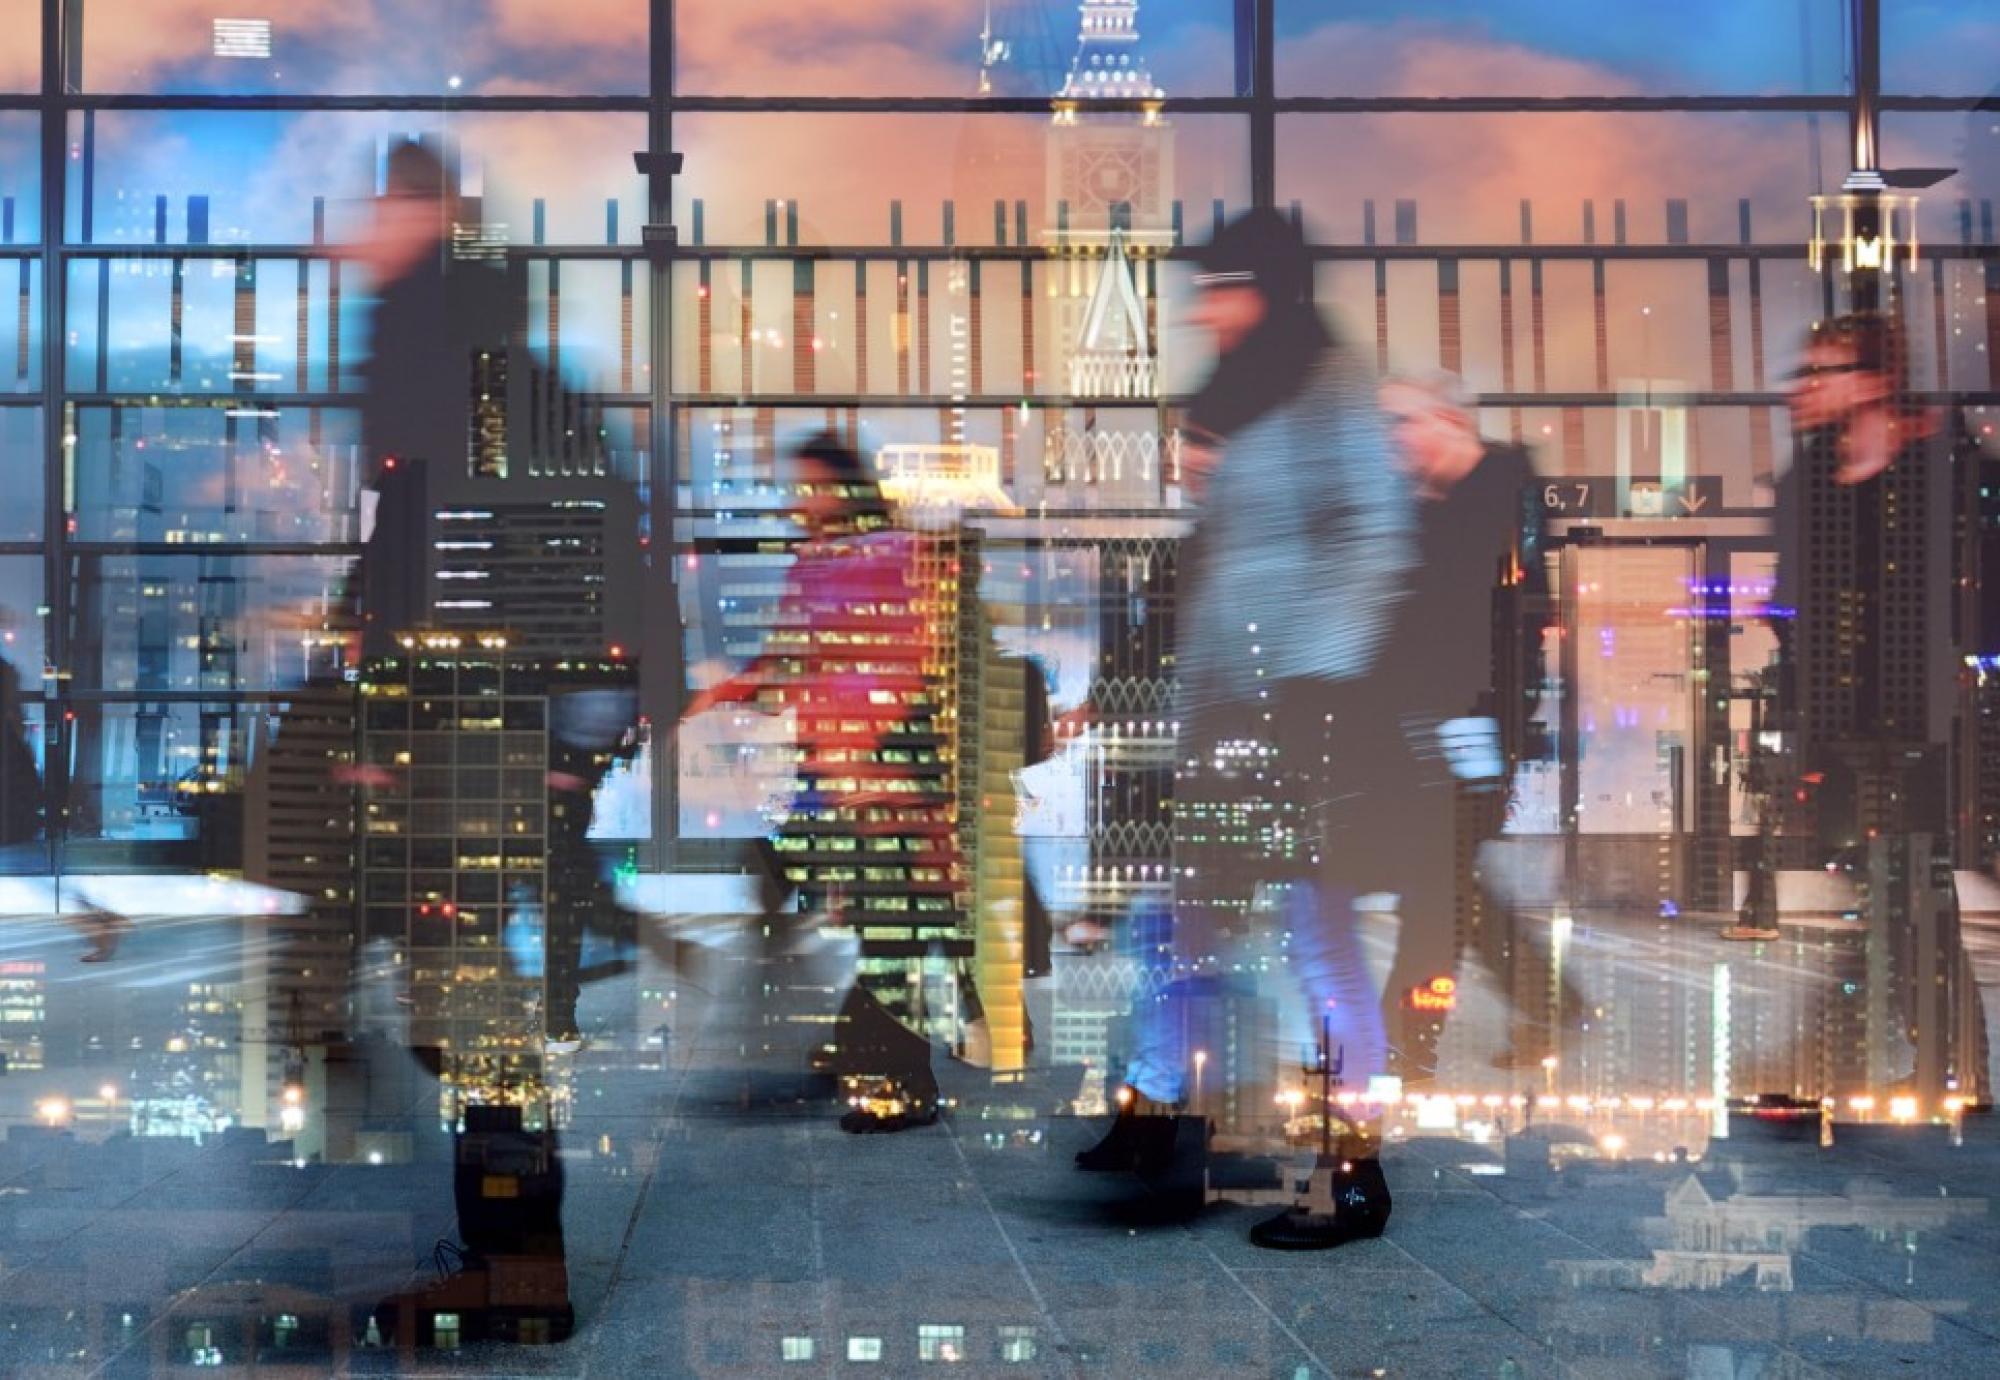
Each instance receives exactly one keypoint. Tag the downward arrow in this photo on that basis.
(1696, 504)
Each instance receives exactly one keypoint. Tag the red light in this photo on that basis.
(390, 463)
(450, 909)
(617, 651)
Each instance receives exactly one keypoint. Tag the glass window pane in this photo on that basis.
(389, 47)
(197, 623)
(134, 767)
(1539, 48)
(1960, 209)
(20, 186)
(947, 48)
(21, 54)
(21, 461)
(28, 855)
(839, 179)
(907, 327)
(22, 618)
(238, 177)
(21, 310)
(1939, 47)
(208, 472)
(174, 325)
(1576, 178)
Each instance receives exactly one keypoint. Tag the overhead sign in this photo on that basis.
(1650, 499)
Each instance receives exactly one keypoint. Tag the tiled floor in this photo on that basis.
(705, 1241)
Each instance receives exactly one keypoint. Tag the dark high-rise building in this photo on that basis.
(551, 565)
(1867, 653)
(1976, 638)
(1869, 566)
(464, 869)
(299, 838)
(1924, 1031)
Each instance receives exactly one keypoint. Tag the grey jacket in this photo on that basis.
(1303, 546)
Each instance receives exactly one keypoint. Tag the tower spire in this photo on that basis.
(1108, 62)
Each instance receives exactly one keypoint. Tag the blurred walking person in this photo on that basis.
(1863, 681)
(849, 655)
(1302, 545)
(1480, 523)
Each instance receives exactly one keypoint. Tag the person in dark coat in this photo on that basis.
(437, 367)
(1440, 734)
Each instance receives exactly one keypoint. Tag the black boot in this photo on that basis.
(1135, 1139)
(510, 1280)
(1346, 1201)
(1117, 1147)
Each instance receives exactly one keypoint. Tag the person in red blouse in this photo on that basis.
(869, 825)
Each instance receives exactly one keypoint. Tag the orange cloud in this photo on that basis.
(772, 47)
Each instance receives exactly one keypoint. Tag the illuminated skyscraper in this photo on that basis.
(549, 563)
(463, 872)
(1976, 637)
(23, 1014)
(1597, 940)
(300, 839)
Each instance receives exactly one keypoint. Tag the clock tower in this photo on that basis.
(1110, 199)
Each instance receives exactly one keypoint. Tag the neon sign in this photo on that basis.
(1439, 994)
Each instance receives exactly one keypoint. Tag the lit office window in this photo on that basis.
(940, 1342)
(1017, 1345)
(243, 38)
(864, 1348)
(796, 1348)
